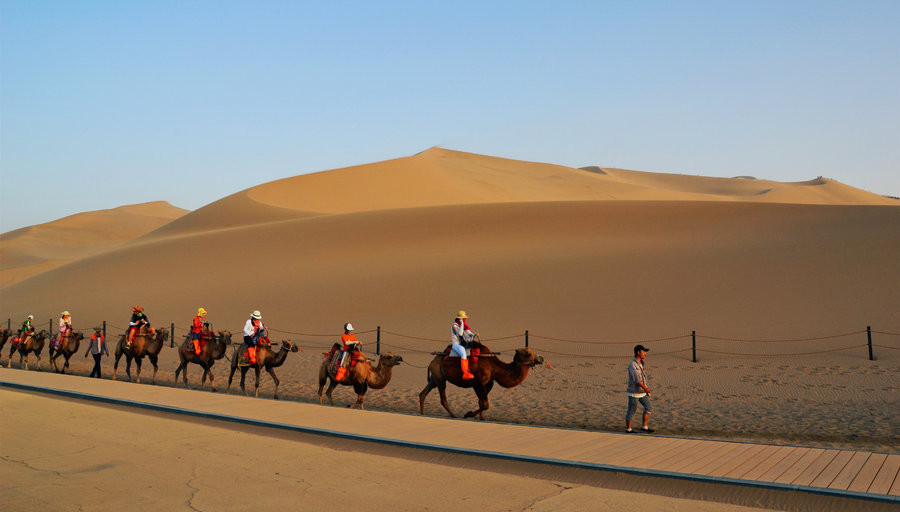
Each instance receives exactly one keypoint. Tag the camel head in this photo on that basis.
(293, 347)
(526, 357)
(225, 336)
(389, 359)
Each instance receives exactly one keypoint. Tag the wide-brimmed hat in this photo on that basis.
(201, 311)
(348, 326)
(66, 313)
(137, 309)
(462, 314)
(256, 314)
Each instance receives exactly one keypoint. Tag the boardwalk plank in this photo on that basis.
(728, 461)
(886, 475)
(816, 467)
(833, 469)
(766, 465)
(645, 449)
(669, 448)
(797, 468)
(704, 454)
(752, 462)
(668, 459)
(846, 476)
(783, 465)
(867, 474)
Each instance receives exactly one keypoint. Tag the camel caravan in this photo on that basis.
(466, 362)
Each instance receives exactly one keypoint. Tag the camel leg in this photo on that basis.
(483, 404)
(153, 361)
(257, 380)
(244, 376)
(116, 365)
(211, 383)
(422, 396)
(360, 395)
(331, 390)
(26, 360)
(442, 389)
(230, 377)
(66, 366)
(275, 378)
(138, 362)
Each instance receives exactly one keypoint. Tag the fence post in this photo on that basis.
(869, 334)
(378, 340)
(9, 324)
(526, 338)
(694, 346)
(172, 335)
(50, 323)
(104, 329)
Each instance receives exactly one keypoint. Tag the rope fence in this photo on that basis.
(527, 338)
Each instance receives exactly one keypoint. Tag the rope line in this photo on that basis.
(888, 333)
(780, 355)
(781, 341)
(543, 351)
(590, 342)
(885, 346)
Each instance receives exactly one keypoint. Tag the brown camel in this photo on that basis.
(361, 377)
(32, 343)
(5, 335)
(67, 346)
(265, 358)
(212, 349)
(144, 344)
(487, 370)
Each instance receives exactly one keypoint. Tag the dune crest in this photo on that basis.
(36, 249)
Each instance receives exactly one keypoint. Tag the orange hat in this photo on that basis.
(137, 309)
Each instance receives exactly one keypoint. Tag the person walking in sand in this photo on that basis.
(97, 348)
(638, 390)
(460, 338)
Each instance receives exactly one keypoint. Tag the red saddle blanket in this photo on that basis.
(473, 355)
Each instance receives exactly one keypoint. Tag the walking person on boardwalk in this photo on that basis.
(97, 348)
(638, 390)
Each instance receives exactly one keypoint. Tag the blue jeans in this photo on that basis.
(632, 406)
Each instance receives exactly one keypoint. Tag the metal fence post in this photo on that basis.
(869, 334)
(50, 323)
(378, 340)
(526, 338)
(694, 346)
(104, 329)
(9, 324)
(172, 335)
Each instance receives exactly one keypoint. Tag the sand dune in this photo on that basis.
(405, 243)
(29, 251)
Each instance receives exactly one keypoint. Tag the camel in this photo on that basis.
(144, 344)
(264, 358)
(361, 377)
(487, 370)
(5, 335)
(210, 352)
(31, 343)
(67, 346)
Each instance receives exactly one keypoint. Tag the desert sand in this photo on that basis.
(589, 261)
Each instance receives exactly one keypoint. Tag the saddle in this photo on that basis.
(334, 358)
(472, 353)
(244, 357)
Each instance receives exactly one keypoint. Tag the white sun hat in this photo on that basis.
(256, 314)
(348, 326)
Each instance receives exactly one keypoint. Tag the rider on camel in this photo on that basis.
(197, 329)
(349, 342)
(254, 331)
(27, 329)
(138, 320)
(460, 338)
(65, 327)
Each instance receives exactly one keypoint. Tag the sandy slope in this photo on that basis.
(405, 243)
(29, 251)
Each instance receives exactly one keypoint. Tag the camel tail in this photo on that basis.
(431, 383)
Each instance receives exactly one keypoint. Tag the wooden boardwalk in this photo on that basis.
(848, 473)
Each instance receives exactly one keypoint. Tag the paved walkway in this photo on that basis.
(848, 473)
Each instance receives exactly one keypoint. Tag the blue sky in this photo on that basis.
(111, 103)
